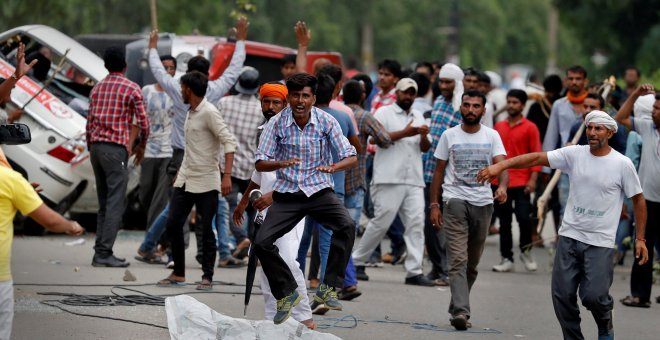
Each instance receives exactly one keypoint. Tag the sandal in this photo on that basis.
(633, 301)
(171, 282)
(205, 285)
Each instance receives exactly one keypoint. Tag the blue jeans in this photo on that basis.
(354, 205)
(155, 231)
(221, 228)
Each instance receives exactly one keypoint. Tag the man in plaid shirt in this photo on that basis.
(297, 144)
(114, 104)
(443, 117)
(242, 112)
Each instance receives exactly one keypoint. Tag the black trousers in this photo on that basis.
(287, 210)
(517, 202)
(641, 278)
(109, 162)
(180, 205)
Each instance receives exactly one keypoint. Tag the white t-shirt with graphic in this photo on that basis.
(159, 108)
(466, 154)
(598, 186)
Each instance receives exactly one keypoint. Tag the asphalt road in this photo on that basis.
(504, 305)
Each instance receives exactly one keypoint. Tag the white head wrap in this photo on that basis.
(601, 118)
(495, 79)
(644, 106)
(451, 71)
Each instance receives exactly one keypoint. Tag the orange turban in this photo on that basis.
(273, 90)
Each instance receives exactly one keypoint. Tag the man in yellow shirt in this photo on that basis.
(17, 194)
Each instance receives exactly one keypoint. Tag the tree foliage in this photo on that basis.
(490, 34)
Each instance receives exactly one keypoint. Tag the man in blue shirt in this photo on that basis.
(297, 144)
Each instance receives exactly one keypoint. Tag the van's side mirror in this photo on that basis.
(15, 134)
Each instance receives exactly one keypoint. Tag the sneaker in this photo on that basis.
(420, 280)
(459, 322)
(285, 306)
(505, 266)
(528, 260)
(361, 274)
(327, 296)
(318, 308)
(170, 265)
(377, 264)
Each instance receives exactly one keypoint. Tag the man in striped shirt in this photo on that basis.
(297, 144)
(113, 105)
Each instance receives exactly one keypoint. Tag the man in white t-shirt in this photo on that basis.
(600, 177)
(467, 205)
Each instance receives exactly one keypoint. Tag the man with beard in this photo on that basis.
(297, 145)
(564, 113)
(445, 115)
(583, 260)
(519, 136)
(398, 183)
(273, 100)
(198, 181)
(467, 205)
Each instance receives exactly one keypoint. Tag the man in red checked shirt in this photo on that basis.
(519, 136)
(115, 103)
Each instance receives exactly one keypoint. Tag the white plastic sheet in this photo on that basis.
(188, 318)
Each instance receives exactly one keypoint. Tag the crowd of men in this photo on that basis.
(431, 155)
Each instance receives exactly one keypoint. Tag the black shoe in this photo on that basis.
(435, 275)
(360, 274)
(400, 256)
(349, 293)
(420, 280)
(459, 322)
(110, 261)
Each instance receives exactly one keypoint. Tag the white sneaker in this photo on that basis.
(505, 266)
(170, 265)
(528, 261)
